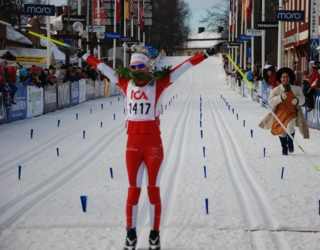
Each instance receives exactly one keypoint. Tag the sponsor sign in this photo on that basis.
(74, 18)
(96, 28)
(90, 89)
(31, 59)
(290, 15)
(252, 32)
(82, 90)
(267, 25)
(314, 19)
(314, 53)
(244, 38)
(313, 117)
(74, 93)
(113, 35)
(3, 115)
(233, 44)
(153, 52)
(63, 95)
(19, 111)
(127, 39)
(35, 101)
(39, 9)
(49, 98)
(289, 39)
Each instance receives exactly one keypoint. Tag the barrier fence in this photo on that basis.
(312, 117)
(32, 101)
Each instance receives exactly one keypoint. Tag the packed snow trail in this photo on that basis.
(249, 206)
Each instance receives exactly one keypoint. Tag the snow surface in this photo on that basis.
(250, 206)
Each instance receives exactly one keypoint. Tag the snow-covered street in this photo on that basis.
(249, 205)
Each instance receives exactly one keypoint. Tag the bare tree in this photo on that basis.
(217, 16)
(170, 27)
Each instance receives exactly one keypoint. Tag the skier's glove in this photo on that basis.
(209, 52)
(295, 101)
(81, 52)
(283, 96)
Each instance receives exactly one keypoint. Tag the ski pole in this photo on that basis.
(273, 114)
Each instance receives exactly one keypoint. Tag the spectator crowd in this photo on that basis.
(309, 83)
(12, 76)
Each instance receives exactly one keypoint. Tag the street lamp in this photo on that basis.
(78, 27)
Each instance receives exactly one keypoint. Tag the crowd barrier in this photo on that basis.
(312, 117)
(32, 101)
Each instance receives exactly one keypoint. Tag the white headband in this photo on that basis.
(139, 57)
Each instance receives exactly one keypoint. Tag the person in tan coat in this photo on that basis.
(286, 101)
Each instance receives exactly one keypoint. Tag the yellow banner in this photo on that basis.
(30, 59)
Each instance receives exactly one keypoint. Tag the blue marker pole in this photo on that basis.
(118, 99)
(58, 123)
(58, 152)
(114, 116)
(205, 171)
(110, 102)
(232, 111)
(244, 123)
(77, 116)
(101, 123)
(264, 152)
(31, 133)
(201, 133)
(319, 207)
(84, 203)
(90, 111)
(169, 103)
(282, 172)
(200, 124)
(111, 173)
(124, 111)
(84, 134)
(237, 116)
(207, 205)
(204, 151)
(229, 107)
(19, 172)
(166, 106)
(200, 116)
(101, 105)
(251, 131)
(227, 104)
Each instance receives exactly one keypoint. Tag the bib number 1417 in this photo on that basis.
(139, 108)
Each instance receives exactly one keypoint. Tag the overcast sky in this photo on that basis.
(197, 7)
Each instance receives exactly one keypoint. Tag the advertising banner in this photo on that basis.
(313, 117)
(82, 90)
(63, 95)
(35, 101)
(90, 89)
(101, 88)
(49, 98)
(3, 115)
(19, 111)
(74, 93)
(97, 89)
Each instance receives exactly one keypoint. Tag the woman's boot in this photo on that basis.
(284, 145)
(290, 143)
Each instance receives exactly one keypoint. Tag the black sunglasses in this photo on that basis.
(140, 66)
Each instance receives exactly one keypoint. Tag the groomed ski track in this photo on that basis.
(43, 210)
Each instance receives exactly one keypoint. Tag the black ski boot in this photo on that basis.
(284, 145)
(131, 240)
(154, 240)
(290, 143)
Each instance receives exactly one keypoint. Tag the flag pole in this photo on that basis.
(241, 29)
(125, 33)
(143, 25)
(245, 42)
(252, 38)
(139, 20)
(114, 30)
(99, 48)
(263, 42)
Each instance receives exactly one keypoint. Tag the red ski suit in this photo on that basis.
(144, 146)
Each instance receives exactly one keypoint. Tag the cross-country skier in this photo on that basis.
(144, 92)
